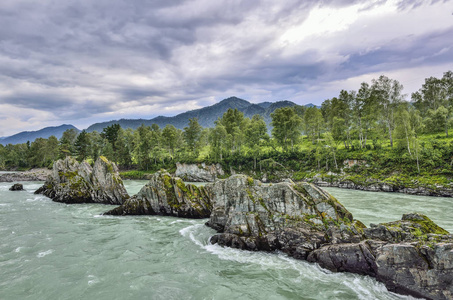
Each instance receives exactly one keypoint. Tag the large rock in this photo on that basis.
(412, 256)
(198, 172)
(293, 218)
(168, 196)
(74, 182)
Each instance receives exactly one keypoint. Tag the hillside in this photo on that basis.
(23, 137)
(206, 115)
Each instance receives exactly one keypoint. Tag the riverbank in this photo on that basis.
(30, 175)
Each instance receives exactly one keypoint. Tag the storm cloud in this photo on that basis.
(83, 61)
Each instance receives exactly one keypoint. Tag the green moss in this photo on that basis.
(250, 181)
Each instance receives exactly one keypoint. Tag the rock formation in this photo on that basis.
(412, 256)
(74, 182)
(168, 196)
(17, 187)
(293, 218)
(198, 172)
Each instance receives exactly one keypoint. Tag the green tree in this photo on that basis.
(170, 139)
(388, 93)
(256, 135)
(67, 141)
(192, 135)
(81, 145)
(313, 122)
(287, 126)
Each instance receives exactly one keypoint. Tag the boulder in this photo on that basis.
(412, 256)
(168, 196)
(293, 218)
(198, 172)
(17, 187)
(74, 182)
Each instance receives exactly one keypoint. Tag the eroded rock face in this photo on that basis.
(168, 196)
(198, 172)
(74, 182)
(294, 218)
(412, 256)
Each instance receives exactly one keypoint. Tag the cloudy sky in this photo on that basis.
(84, 61)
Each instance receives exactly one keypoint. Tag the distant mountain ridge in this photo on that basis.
(23, 137)
(206, 115)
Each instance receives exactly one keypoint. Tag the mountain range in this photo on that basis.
(206, 117)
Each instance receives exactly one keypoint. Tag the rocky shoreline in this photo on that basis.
(31, 175)
(381, 186)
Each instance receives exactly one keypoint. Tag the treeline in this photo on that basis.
(375, 123)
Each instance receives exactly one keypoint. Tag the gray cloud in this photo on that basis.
(86, 61)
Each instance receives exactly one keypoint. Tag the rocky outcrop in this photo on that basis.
(31, 175)
(412, 256)
(17, 187)
(74, 182)
(293, 218)
(198, 172)
(168, 196)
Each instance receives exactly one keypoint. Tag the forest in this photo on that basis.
(377, 125)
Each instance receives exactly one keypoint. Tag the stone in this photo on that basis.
(74, 182)
(17, 187)
(168, 196)
(412, 256)
(198, 172)
(293, 218)
(30, 175)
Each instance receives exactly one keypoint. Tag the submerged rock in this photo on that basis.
(198, 172)
(168, 196)
(17, 187)
(74, 182)
(293, 218)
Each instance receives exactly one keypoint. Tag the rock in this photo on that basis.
(74, 182)
(293, 218)
(168, 196)
(31, 175)
(198, 172)
(17, 187)
(412, 256)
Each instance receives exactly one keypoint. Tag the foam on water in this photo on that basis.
(45, 253)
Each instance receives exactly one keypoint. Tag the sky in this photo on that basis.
(85, 61)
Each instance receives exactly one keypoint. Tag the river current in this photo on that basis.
(51, 250)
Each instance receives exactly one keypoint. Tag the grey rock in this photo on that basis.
(293, 218)
(17, 187)
(74, 182)
(198, 172)
(31, 175)
(168, 196)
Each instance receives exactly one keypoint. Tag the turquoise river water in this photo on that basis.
(50, 250)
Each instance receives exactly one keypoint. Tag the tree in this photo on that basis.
(388, 93)
(255, 135)
(287, 126)
(67, 141)
(217, 138)
(142, 146)
(192, 134)
(81, 145)
(313, 122)
(170, 138)
(234, 124)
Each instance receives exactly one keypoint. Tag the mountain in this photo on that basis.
(25, 136)
(206, 115)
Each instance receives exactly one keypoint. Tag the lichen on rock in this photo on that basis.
(74, 182)
(168, 196)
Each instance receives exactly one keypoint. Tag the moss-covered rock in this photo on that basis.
(74, 182)
(168, 196)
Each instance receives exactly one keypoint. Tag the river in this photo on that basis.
(51, 250)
